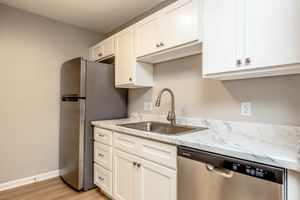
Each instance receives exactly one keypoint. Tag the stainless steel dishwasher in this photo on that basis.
(208, 176)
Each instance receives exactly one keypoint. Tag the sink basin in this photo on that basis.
(162, 128)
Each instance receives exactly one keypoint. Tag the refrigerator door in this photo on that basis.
(71, 157)
(73, 74)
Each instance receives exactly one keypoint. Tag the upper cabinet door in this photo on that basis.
(96, 52)
(147, 36)
(104, 49)
(272, 32)
(124, 57)
(180, 23)
(223, 35)
(108, 47)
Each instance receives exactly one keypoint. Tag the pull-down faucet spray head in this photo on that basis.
(157, 103)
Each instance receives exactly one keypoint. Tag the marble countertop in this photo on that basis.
(274, 145)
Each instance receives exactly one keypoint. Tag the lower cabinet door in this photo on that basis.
(156, 182)
(124, 176)
(103, 179)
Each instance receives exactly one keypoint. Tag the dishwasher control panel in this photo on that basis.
(251, 170)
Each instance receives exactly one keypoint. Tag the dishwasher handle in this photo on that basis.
(219, 171)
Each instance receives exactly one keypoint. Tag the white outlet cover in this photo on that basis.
(147, 106)
(246, 109)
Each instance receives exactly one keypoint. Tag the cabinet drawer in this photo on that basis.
(126, 142)
(103, 136)
(103, 179)
(161, 153)
(103, 155)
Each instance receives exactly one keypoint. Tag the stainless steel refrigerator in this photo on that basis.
(87, 94)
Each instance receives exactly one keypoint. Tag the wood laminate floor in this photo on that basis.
(52, 189)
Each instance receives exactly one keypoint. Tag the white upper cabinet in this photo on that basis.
(103, 50)
(250, 38)
(165, 34)
(129, 73)
(147, 35)
(180, 23)
(222, 39)
(124, 54)
(272, 32)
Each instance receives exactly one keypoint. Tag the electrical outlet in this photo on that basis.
(147, 106)
(246, 109)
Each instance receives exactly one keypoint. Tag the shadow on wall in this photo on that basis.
(274, 99)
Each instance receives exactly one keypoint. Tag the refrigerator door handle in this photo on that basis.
(71, 98)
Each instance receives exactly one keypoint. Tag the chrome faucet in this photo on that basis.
(171, 115)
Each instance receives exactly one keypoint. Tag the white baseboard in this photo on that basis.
(28, 180)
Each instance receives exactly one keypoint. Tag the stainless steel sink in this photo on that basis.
(162, 128)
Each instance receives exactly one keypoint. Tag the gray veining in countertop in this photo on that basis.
(275, 145)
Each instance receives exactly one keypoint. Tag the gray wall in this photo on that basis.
(274, 99)
(32, 49)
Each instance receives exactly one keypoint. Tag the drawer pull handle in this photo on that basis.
(239, 62)
(101, 135)
(101, 179)
(99, 54)
(139, 164)
(134, 163)
(248, 60)
(101, 155)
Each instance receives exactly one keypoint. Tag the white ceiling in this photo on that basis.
(99, 15)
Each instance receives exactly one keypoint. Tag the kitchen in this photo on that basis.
(228, 73)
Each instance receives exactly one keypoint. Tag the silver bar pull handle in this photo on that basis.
(219, 171)
(186, 154)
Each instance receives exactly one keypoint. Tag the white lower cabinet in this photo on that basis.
(124, 176)
(103, 179)
(138, 179)
(127, 167)
(293, 183)
(156, 182)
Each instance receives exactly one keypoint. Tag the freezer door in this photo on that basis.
(71, 149)
(73, 75)
(197, 182)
